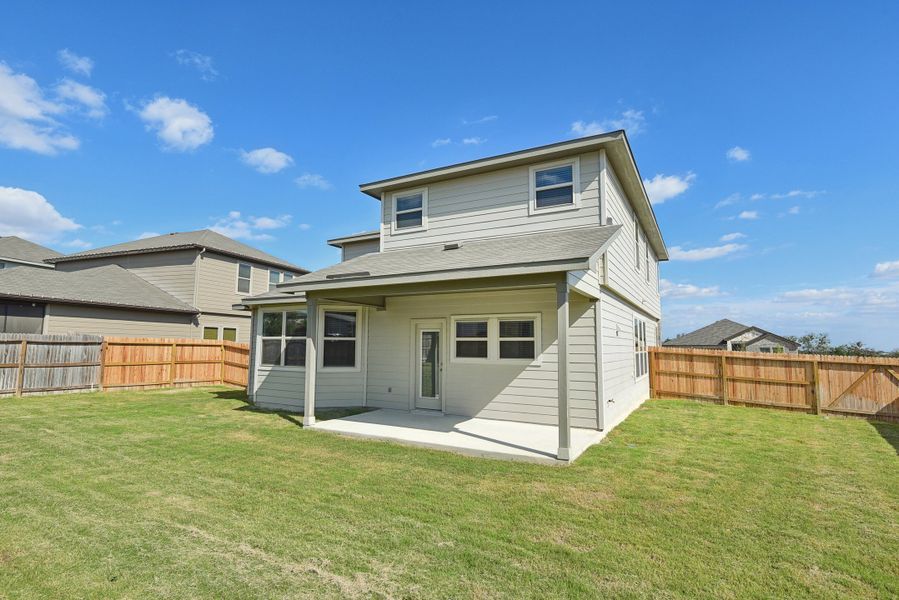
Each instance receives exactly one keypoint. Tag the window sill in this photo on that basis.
(282, 367)
(405, 230)
(552, 209)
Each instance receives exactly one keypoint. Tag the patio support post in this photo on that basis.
(311, 361)
(564, 452)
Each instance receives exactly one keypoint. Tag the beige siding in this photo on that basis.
(621, 262)
(117, 322)
(217, 283)
(354, 249)
(491, 205)
(242, 323)
(172, 272)
(623, 391)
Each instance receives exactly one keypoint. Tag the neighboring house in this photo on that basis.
(357, 244)
(730, 335)
(521, 287)
(199, 273)
(16, 252)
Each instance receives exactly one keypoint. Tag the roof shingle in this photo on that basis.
(16, 248)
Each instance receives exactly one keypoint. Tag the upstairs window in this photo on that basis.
(244, 278)
(554, 186)
(636, 243)
(410, 210)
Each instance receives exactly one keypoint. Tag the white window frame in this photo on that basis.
(237, 279)
(646, 257)
(575, 186)
(275, 284)
(424, 211)
(636, 243)
(493, 339)
(321, 339)
(283, 337)
(641, 348)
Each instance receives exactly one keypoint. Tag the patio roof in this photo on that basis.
(554, 251)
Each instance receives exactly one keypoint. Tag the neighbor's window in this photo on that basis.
(210, 333)
(641, 355)
(244, 277)
(517, 339)
(409, 209)
(274, 278)
(339, 339)
(471, 339)
(283, 341)
(553, 186)
(229, 334)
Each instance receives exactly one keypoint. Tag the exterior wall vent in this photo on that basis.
(453, 246)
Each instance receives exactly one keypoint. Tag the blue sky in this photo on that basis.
(767, 134)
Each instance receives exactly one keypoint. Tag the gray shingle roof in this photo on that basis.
(710, 335)
(355, 237)
(204, 238)
(18, 249)
(109, 285)
(563, 246)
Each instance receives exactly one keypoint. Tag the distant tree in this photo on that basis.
(813, 343)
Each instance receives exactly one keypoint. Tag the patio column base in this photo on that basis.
(564, 454)
(308, 421)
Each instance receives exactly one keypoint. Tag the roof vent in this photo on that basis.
(453, 246)
(347, 275)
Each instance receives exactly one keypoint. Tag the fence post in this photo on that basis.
(222, 363)
(20, 378)
(652, 374)
(722, 366)
(102, 362)
(816, 388)
(172, 364)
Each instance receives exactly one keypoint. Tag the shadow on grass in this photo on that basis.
(231, 395)
(296, 418)
(889, 432)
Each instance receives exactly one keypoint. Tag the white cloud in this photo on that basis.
(179, 125)
(732, 199)
(671, 290)
(748, 215)
(755, 197)
(730, 237)
(664, 187)
(473, 141)
(307, 180)
(441, 142)
(148, 234)
(81, 65)
(794, 210)
(738, 154)
(304, 226)
(696, 254)
(266, 160)
(28, 119)
(200, 62)
(78, 244)
(92, 100)
(797, 194)
(29, 215)
(249, 228)
(631, 120)
(887, 269)
(480, 121)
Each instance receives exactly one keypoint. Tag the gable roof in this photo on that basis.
(109, 285)
(203, 238)
(618, 151)
(17, 249)
(551, 251)
(710, 335)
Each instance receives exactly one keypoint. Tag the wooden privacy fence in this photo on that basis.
(850, 385)
(32, 364)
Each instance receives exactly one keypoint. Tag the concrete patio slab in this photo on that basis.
(465, 435)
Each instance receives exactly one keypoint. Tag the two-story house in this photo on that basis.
(522, 287)
(177, 285)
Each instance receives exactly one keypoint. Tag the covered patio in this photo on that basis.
(473, 436)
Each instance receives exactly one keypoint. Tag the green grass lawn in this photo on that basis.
(189, 494)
